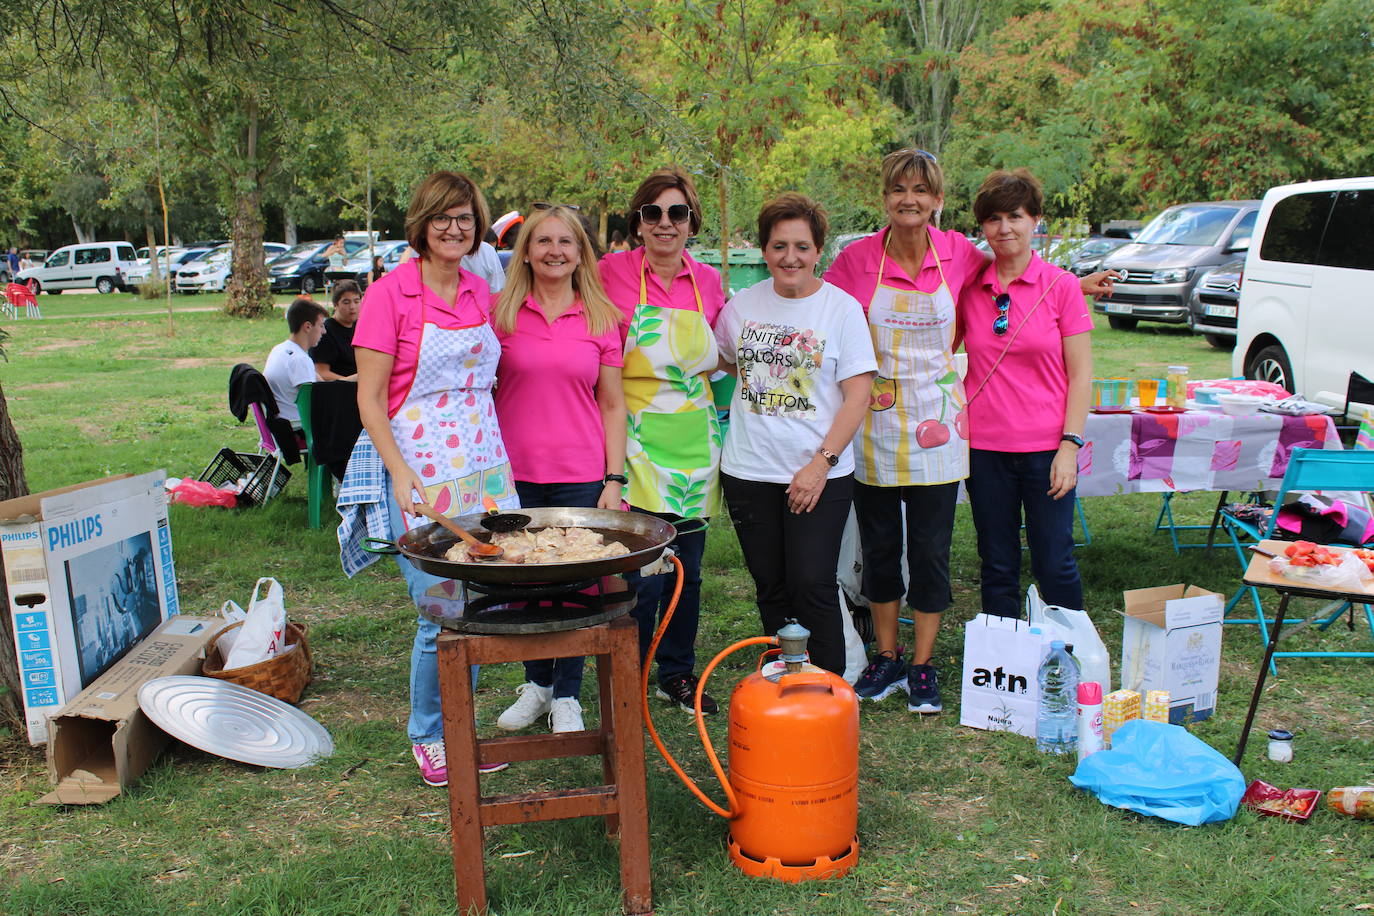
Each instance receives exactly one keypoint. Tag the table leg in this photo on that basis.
(464, 789)
(1216, 517)
(633, 801)
(1259, 681)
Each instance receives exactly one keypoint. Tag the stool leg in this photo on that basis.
(628, 741)
(608, 730)
(464, 791)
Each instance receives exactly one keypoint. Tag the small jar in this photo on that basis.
(1178, 386)
(1281, 745)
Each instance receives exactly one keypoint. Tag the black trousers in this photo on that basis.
(792, 558)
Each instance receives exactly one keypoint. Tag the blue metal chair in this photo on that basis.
(1309, 469)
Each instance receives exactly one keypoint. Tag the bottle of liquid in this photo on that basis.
(1056, 720)
(1178, 386)
(1089, 718)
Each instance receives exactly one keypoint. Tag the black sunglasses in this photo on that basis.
(653, 213)
(1003, 303)
(545, 205)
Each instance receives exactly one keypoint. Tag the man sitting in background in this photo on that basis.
(333, 355)
(289, 365)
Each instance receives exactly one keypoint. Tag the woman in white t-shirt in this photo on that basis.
(805, 362)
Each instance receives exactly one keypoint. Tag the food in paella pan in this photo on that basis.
(547, 545)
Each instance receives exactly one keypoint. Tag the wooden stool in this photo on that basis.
(622, 799)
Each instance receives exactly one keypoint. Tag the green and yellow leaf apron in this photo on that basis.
(673, 438)
(916, 428)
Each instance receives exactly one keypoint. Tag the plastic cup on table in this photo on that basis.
(1148, 390)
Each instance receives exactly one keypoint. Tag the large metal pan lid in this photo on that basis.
(233, 721)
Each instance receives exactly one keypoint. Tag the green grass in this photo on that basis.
(951, 820)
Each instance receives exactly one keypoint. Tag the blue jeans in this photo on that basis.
(1000, 485)
(426, 714)
(564, 675)
(676, 653)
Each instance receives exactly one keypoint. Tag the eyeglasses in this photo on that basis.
(545, 205)
(1003, 303)
(442, 221)
(653, 213)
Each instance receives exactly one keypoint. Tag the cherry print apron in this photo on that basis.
(674, 437)
(916, 428)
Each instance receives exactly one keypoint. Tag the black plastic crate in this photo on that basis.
(229, 467)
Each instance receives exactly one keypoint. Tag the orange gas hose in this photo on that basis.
(733, 810)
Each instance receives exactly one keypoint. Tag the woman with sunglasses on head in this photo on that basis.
(669, 303)
(426, 364)
(561, 408)
(1025, 325)
(805, 364)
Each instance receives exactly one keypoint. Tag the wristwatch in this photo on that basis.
(616, 478)
(830, 457)
(1074, 438)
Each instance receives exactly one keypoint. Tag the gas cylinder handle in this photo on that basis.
(807, 679)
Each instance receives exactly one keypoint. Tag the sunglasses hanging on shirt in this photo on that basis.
(999, 324)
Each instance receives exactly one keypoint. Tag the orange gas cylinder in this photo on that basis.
(794, 767)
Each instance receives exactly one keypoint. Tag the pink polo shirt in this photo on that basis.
(392, 318)
(620, 273)
(856, 267)
(546, 395)
(1018, 406)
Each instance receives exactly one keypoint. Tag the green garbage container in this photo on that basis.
(746, 266)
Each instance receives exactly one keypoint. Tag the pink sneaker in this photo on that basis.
(434, 763)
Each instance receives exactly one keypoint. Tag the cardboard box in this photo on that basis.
(89, 573)
(1171, 641)
(101, 741)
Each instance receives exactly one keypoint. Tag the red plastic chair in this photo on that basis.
(20, 296)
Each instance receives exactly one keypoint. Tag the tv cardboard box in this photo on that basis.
(1171, 640)
(101, 741)
(89, 573)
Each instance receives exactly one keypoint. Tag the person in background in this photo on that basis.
(1025, 325)
(426, 365)
(560, 369)
(805, 363)
(486, 263)
(289, 365)
(333, 355)
(377, 270)
(618, 242)
(13, 260)
(669, 303)
(336, 254)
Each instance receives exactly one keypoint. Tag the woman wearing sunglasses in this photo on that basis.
(805, 364)
(669, 303)
(1025, 325)
(561, 408)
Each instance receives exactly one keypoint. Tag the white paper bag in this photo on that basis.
(1076, 629)
(1001, 660)
(263, 632)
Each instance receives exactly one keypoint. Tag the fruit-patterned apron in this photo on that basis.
(674, 437)
(916, 428)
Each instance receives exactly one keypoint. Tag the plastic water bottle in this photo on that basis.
(1056, 719)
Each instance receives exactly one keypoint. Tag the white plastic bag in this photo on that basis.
(232, 613)
(1076, 629)
(264, 630)
(1350, 574)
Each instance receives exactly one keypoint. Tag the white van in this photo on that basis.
(1308, 297)
(102, 265)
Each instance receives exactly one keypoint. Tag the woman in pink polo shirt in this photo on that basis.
(1025, 325)
(561, 407)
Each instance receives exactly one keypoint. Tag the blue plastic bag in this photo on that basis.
(1162, 770)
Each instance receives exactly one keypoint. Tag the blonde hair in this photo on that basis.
(600, 313)
(916, 163)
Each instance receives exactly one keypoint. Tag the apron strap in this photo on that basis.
(644, 284)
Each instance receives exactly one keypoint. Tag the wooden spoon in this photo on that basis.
(478, 550)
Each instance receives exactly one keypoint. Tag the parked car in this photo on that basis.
(1215, 300)
(167, 257)
(211, 273)
(1162, 265)
(302, 268)
(1309, 288)
(1087, 257)
(358, 267)
(102, 265)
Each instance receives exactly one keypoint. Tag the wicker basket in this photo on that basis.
(283, 676)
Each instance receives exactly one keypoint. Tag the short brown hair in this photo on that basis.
(793, 206)
(917, 162)
(1003, 191)
(437, 193)
(659, 181)
(343, 288)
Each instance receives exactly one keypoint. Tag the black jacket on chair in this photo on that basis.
(247, 386)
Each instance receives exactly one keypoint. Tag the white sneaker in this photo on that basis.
(533, 704)
(566, 715)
